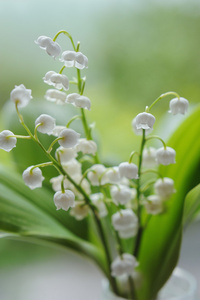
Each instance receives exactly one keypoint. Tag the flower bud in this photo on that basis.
(7, 140)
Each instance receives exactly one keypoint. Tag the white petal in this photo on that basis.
(33, 178)
(47, 123)
(20, 95)
(64, 200)
(69, 138)
(7, 142)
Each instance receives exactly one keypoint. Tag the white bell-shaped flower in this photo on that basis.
(124, 219)
(72, 167)
(52, 48)
(149, 157)
(55, 96)
(144, 121)
(59, 81)
(57, 181)
(124, 265)
(45, 124)
(165, 156)
(97, 200)
(33, 177)
(86, 146)
(7, 140)
(140, 130)
(113, 175)
(64, 200)
(68, 138)
(57, 130)
(154, 205)
(65, 154)
(121, 194)
(128, 232)
(74, 59)
(79, 101)
(20, 95)
(164, 187)
(128, 170)
(178, 105)
(96, 175)
(80, 211)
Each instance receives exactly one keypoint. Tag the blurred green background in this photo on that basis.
(137, 50)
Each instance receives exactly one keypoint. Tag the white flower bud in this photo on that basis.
(139, 131)
(86, 146)
(33, 177)
(65, 154)
(47, 124)
(96, 176)
(121, 194)
(145, 121)
(64, 200)
(149, 157)
(128, 170)
(7, 140)
(69, 138)
(97, 200)
(55, 96)
(113, 175)
(165, 156)
(164, 187)
(124, 265)
(59, 81)
(74, 59)
(20, 95)
(80, 211)
(178, 105)
(79, 101)
(154, 205)
(52, 48)
(124, 219)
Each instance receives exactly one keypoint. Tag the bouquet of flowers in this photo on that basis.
(128, 217)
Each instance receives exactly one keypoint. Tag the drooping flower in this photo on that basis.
(149, 157)
(79, 211)
(20, 95)
(65, 154)
(68, 138)
(178, 105)
(164, 187)
(97, 200)
(86, 146)
(113, 175)
(124, 265)
(33, 177)
(128, 170)
(7, 140)
(59, 81)
(121, 194)
(52, 48)
(96, 175)
(165, 156)
(56, 183)
(45, 124)
(74, 59)
(124, 220)
(72, 167)
(140, 130)
(55, 96)
(64, 200)
(144, 121)
(154, 205)
(79, 101)
(57, 130)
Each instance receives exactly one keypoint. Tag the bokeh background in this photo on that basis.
(137, 50)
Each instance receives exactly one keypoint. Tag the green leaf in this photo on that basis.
(161, 240)
(192, 205)
(32, 215)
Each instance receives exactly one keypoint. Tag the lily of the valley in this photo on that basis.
(55, 96)
(97, 175)
(45, 124)
(140, 130)
(121, 194)
(164, 187)
(59, 81)
(128, 170)
(7, 140)
(79, 211)
(79, 101)
(145, 121)
(20, 95)
(52, 48)
(86, 146)
(33, 177)
(178, 105)
(64, 200)
(125, 222)
(154, 205)
(124, 265)
(65, 154)
(68, 138)
(165, 156)
(74, 59)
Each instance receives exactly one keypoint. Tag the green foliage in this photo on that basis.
(159, 250)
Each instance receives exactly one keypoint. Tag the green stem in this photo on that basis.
(161, 97)
(68, 35)
(158, 138)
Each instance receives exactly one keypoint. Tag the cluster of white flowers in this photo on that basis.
(95, 188)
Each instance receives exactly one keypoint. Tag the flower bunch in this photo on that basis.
(120, 195)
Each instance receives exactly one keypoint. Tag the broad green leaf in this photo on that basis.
(192, 205)
(32, 215)
(161, 240)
